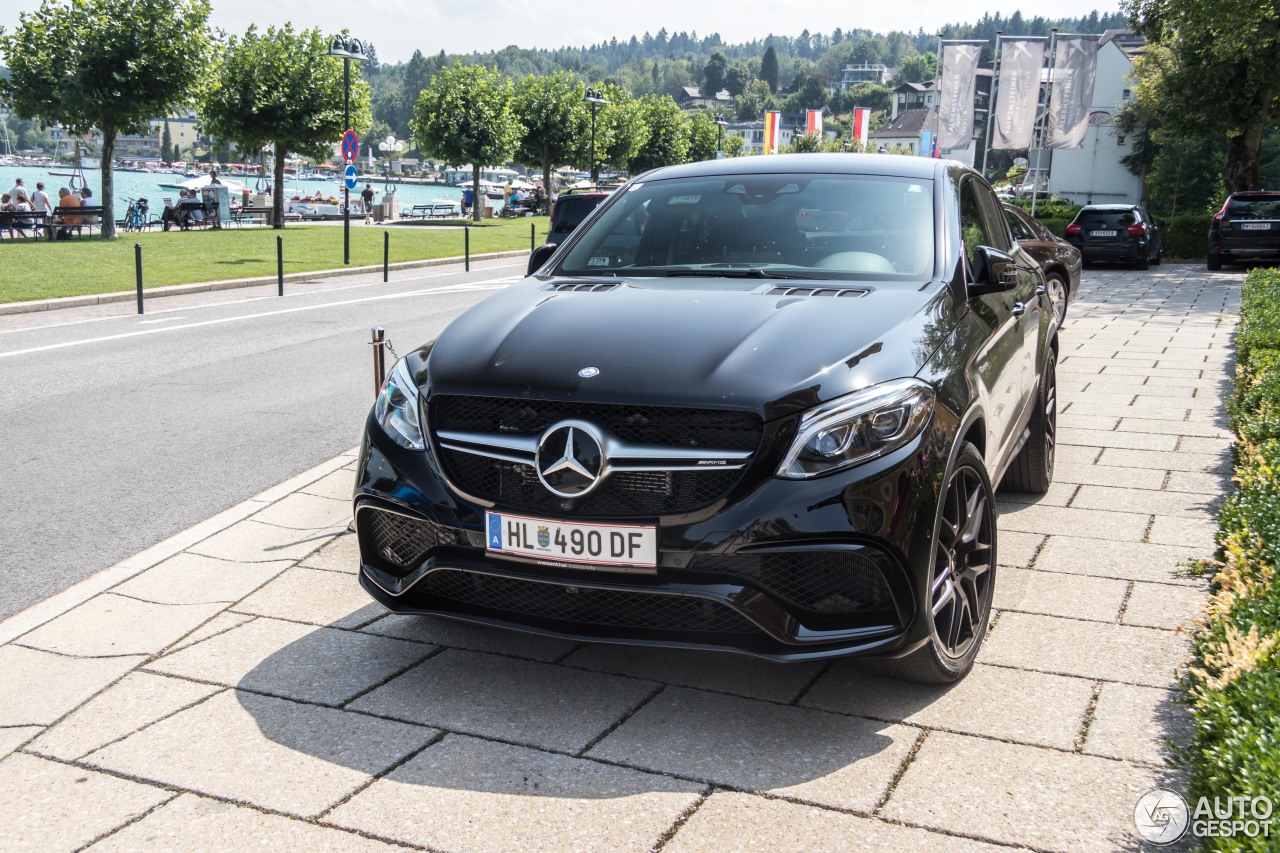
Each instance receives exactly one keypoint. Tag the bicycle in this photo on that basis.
(135, 218)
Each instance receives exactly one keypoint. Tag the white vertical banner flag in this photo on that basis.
(1075, 65)
(955, 99)
(1013, 118)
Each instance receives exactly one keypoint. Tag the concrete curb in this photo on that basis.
(37, 614)
(232, 284)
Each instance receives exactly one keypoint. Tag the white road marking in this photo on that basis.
(243, 301)
(491, 284)
(160, 320)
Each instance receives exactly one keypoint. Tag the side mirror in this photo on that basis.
(994, 272)
(539, 256)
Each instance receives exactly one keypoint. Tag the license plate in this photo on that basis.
(571, 542)
(1103, 233)
(1255, 226)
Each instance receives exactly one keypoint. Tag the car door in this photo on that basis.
(1007, 363)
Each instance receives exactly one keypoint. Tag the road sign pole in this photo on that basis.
(346, 192)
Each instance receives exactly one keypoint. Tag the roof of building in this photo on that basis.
(908, 123)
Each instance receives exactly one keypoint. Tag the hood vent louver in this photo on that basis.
(584, 286)
(815, 291)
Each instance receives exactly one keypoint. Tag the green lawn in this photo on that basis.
(43, 269)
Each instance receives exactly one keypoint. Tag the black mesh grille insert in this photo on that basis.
(825, 582)
(517, 486)
(711, 428)
(585, 605)
(401, 541)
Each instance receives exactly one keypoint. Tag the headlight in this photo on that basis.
(857, 428)
(397, 408)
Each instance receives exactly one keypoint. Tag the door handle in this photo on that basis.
(1040, 291)
(1019, 309)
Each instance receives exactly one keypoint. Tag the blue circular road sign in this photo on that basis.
(350, 146)
(350, 176)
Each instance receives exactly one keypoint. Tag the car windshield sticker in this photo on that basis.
(685, 199)
(598, 261)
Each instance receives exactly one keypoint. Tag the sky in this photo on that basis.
(398, 27)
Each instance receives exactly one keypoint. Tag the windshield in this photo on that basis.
(1254, 207)
(777, 226)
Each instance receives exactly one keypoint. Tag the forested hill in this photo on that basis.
(663, 63)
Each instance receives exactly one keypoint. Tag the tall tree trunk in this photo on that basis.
(108, 183)
(277, 201)
(1243, 170)
(546, 175)
(478, 196)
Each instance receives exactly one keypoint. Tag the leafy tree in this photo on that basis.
(703, 135)
(663, 141)
(109, 64)
(620, 129)
(466, 116)
(177, 153)
(166, 141)
(713, 74)
(917, 68)
(805, 143)
(769, 69)
(1225, 74)
(553, 117)
(278, 88)
(736, 78)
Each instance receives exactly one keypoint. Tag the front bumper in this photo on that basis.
(782, 569)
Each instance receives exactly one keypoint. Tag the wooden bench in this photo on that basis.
(251, 215)
(32, 222)
(87, 216)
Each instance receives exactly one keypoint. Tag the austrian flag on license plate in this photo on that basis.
(571, 542)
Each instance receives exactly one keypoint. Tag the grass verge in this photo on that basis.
(1234, 685)
(44, 270)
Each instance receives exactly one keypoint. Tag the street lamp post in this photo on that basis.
(390, 146)
(594, 97)
(348, 50)
(721, 124)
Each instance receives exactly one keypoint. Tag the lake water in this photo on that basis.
(134, 184)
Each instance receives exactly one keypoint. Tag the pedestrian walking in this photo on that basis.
(367, 198)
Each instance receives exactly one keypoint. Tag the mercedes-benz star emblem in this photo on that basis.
(588, 372)
(570, 460)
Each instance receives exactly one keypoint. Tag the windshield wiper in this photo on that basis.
(732, 272)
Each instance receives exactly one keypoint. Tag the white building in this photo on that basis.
(1094, 174)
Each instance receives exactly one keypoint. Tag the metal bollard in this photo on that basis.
(379, 342)
(279, 265)
(466, 248)
(137, 265)
(533, 236)
(386, 253)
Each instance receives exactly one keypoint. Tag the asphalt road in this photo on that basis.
(118, 432)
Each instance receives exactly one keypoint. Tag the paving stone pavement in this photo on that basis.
(234, 687)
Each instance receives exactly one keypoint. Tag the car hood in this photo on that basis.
(737, 344)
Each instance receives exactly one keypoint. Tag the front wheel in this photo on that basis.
(961, 578)
(1215, 261)
(1056, 288)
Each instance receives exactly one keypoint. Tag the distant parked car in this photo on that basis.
(570, 208)
(1248, 226)
(1060, 261)
(1121, 233)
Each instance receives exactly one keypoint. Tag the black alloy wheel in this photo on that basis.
(1032, 468)
(961, 578)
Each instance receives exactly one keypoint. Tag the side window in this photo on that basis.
(975, 228)
(1021, 231)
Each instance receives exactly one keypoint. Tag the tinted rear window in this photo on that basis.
(1263, 207)
(1106, 218)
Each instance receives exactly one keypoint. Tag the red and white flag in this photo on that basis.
(861, 125)
(772, 131)
(813, 124)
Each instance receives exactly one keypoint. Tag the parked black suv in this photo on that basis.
(755, 404)
(1248, 226)
(570, 208)
(1117, 232)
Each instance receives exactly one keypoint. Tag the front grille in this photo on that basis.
(717, 429)
(400, 541)
(626, 493)
(823, 582)
(623, 493)
(584, 605)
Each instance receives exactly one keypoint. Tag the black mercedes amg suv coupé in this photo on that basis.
(754, 405)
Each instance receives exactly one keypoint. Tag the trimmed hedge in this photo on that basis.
(1234, 684)
(1187, 236)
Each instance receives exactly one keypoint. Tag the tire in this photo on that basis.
(1159, 257)
(961, 578)
(1032, 468)
(1059, 292)
(1215, 261)
(1143, 263)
